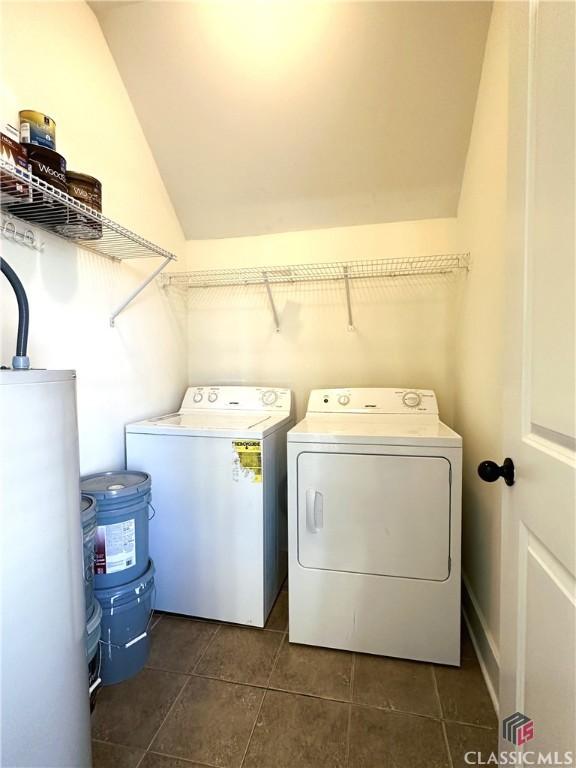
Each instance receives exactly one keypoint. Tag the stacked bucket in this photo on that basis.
(123, 587)
(93, 610)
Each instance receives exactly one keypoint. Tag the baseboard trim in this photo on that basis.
(482, 640)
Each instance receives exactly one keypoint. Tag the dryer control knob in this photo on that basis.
(411, 399)
(212, 397)
(344, 399)
(198, 397)
(269, 397)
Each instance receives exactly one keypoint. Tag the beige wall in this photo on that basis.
(275, 117)
(54, 59)
(404, 329)
(478, 384)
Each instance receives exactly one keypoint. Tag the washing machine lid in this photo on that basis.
(224, 411)
(252, 424)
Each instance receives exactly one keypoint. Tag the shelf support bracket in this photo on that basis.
(271, 300)
(348, 301)
(26, 237)
(121, 307)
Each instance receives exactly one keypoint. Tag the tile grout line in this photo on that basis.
(277, 656)
(264, 694)
(268, 686)
(307, 694)
(470, 725)
(348, 731)
(113, 744)
(444, 731)
(351, 696)
(360, 704)
(352, 676)
(447, 744)
(275, 662)
(180, 692)
(204, 676)
(170, 708)
(157, 621)
(437, 691)
(205, 651)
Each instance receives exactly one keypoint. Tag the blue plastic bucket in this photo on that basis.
(121, 546)
(88, 512)
(125, 637)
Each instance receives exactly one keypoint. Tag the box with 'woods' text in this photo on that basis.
(13, 153)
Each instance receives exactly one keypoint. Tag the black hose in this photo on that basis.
(23, 310)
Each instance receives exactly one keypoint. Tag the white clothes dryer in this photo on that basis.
(374, 525)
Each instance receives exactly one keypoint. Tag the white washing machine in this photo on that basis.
(218, 538)
(374, 525)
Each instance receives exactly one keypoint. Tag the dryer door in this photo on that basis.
(375, 514)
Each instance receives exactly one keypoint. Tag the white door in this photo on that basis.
(538, 626)
(374, 514)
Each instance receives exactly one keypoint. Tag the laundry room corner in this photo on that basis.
(136, 367)
(287, 383)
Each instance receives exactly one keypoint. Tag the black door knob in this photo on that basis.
(490, 471)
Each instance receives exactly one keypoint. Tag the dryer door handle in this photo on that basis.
(314, 510)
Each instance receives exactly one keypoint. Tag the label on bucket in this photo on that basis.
(115, 548)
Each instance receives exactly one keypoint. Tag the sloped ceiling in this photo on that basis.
(270, 116)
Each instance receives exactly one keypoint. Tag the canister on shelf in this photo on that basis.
(87, 190)
(47, 165)
(37, 128)
(14, 153)
(50, 167)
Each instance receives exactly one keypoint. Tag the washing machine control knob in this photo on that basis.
(411, 399)
(212, 397)
(269, 397)
(344, 399)
(198, 397)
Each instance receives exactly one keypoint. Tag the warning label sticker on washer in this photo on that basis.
(247, 460)
(115, 547)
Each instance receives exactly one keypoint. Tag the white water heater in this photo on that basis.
(45, 711)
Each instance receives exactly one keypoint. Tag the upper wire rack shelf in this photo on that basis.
(338, 270)
(39, 204)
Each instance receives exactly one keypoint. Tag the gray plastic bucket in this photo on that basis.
(88, 511)
(125, 638)
(93, 630)
(121, 545)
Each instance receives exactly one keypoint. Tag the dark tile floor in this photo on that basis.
(232, 697)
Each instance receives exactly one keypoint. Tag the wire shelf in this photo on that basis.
(38, 204)
(440, 264)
